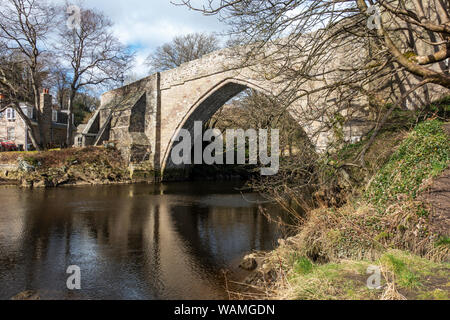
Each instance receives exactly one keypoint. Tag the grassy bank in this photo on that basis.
(403, 276)
(388, 221)
(91, 165)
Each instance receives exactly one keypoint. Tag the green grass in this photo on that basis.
(405, 277)
(303, 266)
(437, 294)
(441, 108)
(443, 241)
(425, 153)
(415, 277)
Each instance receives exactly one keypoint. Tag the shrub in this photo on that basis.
(425, 153)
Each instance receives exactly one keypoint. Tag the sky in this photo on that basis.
(143, 25)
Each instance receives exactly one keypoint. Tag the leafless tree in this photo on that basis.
(24, 29)
(182, 49)
(351, 50)
(61, 84)
(92, 54)
(256, 110)
(359, 58)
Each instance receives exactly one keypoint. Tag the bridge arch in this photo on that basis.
(205, 107)
(146, 116)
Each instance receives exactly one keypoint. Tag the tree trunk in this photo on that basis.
(43, 141)
(69, 139)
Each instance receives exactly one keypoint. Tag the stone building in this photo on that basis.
(14, 129)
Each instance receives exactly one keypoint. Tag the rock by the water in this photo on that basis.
(43, 183)
(26, 183)
(63, 180)
(249, 263)
(25, 166)
(27, 295)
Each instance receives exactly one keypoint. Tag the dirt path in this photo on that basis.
(438, 196)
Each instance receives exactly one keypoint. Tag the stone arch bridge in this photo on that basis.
(144, 117)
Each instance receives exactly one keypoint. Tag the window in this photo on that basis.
(27, 111)
(10, 114)
(54, 116)
(11, 134)
(33, 114)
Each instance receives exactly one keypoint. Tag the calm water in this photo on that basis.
(131, 242)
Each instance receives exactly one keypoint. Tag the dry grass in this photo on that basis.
(390, 292)
(388, 226)
(403, 276)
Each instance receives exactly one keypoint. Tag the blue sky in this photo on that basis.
(146, 24)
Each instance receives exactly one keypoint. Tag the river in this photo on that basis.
(168, 241)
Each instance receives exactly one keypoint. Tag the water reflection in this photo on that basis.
(131, 242)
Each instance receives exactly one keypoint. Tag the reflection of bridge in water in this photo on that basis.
(130, 242)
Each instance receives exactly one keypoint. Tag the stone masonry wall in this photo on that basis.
(134, 119)
(45, 107)
(147, 114)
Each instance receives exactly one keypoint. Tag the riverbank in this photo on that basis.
(395, 225)
(55, 168)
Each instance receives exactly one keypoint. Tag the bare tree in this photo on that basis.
(24, 29)
(182, 49)
(92, 54)
(61, 84)
(351, 50)
(424, 22)
(252, 109)
(358, 58)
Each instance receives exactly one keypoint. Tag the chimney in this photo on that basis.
(45, 108)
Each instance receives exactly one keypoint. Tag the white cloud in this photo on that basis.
(147, 24)
(143, 33)
(140, 69)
